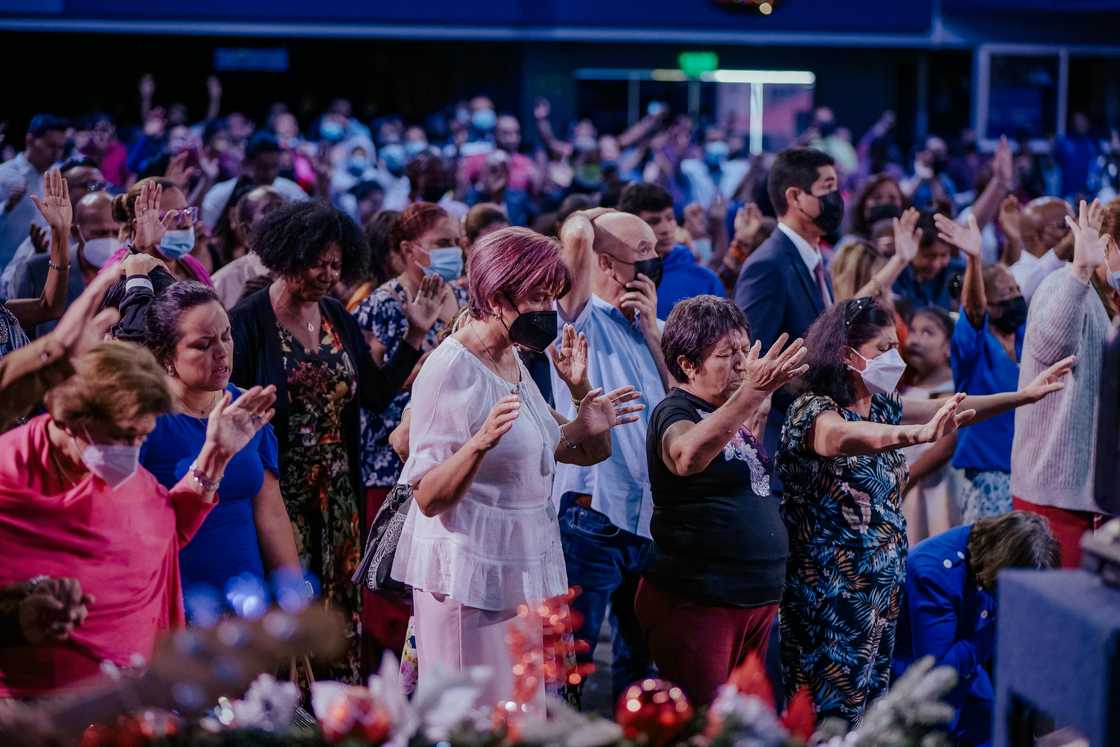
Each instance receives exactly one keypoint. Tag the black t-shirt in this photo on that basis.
(717, 535)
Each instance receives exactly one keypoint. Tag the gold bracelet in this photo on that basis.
(60, 268)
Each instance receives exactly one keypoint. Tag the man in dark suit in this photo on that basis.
(783, 286)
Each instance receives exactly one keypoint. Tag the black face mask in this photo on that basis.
(832, 212)
(1012, 314)
(885, 211)
(651, 268)
(534, 330)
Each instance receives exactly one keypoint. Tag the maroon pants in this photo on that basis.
(384, 621)
(1067, 526)
(695, 645)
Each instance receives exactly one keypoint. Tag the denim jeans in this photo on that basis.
(605, 563)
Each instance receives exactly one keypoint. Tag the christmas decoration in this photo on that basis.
(654, 709)
(269, 705)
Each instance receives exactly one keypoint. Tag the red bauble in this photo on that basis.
(655, 710)
(356, 714)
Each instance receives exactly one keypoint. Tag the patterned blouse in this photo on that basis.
(12, 335)
(382, 315)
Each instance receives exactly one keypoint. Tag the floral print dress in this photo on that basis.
(847, 541)
(12, 335)
(315, 478)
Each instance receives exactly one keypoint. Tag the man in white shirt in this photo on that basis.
(261, 168)
(22, 177)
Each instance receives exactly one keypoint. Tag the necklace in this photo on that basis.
(497, 366)
(205, 411)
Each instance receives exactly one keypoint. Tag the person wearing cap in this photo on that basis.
(23, 176)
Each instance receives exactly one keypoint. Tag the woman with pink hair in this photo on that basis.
(482, 536)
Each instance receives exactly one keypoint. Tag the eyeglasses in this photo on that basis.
(183, 217)
(855, 308)
(93, 186)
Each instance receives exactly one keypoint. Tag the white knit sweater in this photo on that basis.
(1052, 459)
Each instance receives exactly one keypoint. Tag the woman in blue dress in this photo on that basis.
(844, 479)
(248, 532)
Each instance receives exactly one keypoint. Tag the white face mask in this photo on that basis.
(98, 251)
(113, 463)
(883, 372)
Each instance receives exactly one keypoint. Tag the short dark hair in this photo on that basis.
(482, 216)
(292, 237)
(927, 227)
(847, 324)
(1018, 539)
(695, 326)
(161, 334)
(41, 124)
(794, 167)
(640, 197)
(939, 316)
(260, 143)
(77, 162)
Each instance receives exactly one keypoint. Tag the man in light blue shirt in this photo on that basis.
(605, 510)
(22, 177)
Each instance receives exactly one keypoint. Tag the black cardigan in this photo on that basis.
(257, 362)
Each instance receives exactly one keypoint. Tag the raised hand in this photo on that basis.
(1003, 165)
(717, 211)
(55, 205)
(598, 413)
(1011, 218)
(1088, 244)
(498, 422)
(40, 239)
(79, 329)
(778, 367)
(232, 426)
(52, 610)
(696, 220)
(748, 222)
(149, 228)
(147, 86)
(946, 420)
(178, 171)
(966, 237)
(541, 108)
(214, 87)
(423, 310)
(907, 235)
(1049, 381)
(570, 360)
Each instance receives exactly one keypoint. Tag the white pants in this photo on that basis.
(453, 638)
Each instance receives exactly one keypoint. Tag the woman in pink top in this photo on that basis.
(74, 502)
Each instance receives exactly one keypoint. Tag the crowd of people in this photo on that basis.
(820, 396)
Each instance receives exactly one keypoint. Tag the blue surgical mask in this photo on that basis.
(357, 165)
(716, 152)
(484, 120)
(703, 248)
(331, 131)
(393, 156)
(414, 148)
(177, 243)
(446, 261)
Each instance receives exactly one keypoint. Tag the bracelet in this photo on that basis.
(576, 402)
(208, 484)
(60, 268)
(567, 444)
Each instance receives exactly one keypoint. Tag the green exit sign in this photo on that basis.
(695, 64)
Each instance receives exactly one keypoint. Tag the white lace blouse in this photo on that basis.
(499, 546)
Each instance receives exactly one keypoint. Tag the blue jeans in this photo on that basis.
(605, 563)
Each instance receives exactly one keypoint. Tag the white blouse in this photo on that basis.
(499, 546)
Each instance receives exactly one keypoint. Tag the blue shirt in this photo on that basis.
(226, 544)
(946, 615)
(619, 487)
(932, 292)
(982, 366)
(682, 278)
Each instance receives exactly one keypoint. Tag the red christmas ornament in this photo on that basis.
(356, 714)
(654, 709)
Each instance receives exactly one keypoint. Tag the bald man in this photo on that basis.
(93, 219)
(605, 510)
(230, 281)
(1046, 242)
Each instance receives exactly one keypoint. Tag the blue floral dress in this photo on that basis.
(847, 564)
(382, 315)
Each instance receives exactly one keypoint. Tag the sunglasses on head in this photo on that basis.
(856, 308)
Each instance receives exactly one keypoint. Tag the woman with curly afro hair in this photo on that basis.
(296, 337)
